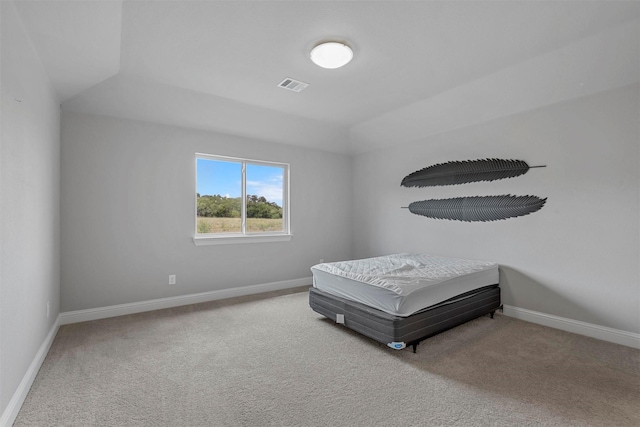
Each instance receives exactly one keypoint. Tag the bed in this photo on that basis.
(402, 299)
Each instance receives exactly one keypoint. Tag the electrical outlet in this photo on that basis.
(48, 307)
(172, 279)
(321, 261)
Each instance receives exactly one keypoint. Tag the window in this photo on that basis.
(240, 200)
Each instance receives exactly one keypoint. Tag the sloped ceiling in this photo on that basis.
(420, 67)
(78, 42)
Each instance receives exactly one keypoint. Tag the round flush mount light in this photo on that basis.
(331, 55)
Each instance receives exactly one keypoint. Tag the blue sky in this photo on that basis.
(225, 179)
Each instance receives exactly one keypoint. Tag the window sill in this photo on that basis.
(234, 239)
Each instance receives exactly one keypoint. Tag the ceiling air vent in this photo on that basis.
(293, 85)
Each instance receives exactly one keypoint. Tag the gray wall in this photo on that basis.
(577, 257)
(29, 209)
(128, 207)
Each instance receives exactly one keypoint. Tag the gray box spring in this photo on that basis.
(389, 329)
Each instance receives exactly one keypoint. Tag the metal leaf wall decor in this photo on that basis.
(460, 172)
(478, 208)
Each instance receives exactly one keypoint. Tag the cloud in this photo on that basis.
(270, 190)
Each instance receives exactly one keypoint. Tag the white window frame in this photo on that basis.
(244, 236)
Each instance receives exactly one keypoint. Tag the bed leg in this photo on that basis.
(501, 308)
(415, 346)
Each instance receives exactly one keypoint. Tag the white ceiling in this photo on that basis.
(420, 67)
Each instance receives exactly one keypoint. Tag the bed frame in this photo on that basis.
(399, 332)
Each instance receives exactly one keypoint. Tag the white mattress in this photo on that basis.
(402, 284)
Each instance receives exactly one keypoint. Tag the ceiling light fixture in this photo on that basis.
(331, 55)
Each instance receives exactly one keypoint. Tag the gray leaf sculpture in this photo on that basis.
(460, 172)
(478, 208)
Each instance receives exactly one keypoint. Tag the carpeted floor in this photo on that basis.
(271, 361)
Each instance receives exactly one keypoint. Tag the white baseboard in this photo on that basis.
(11, 411)
(158, 304)
(616, 336)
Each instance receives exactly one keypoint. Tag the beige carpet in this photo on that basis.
(258, 361)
